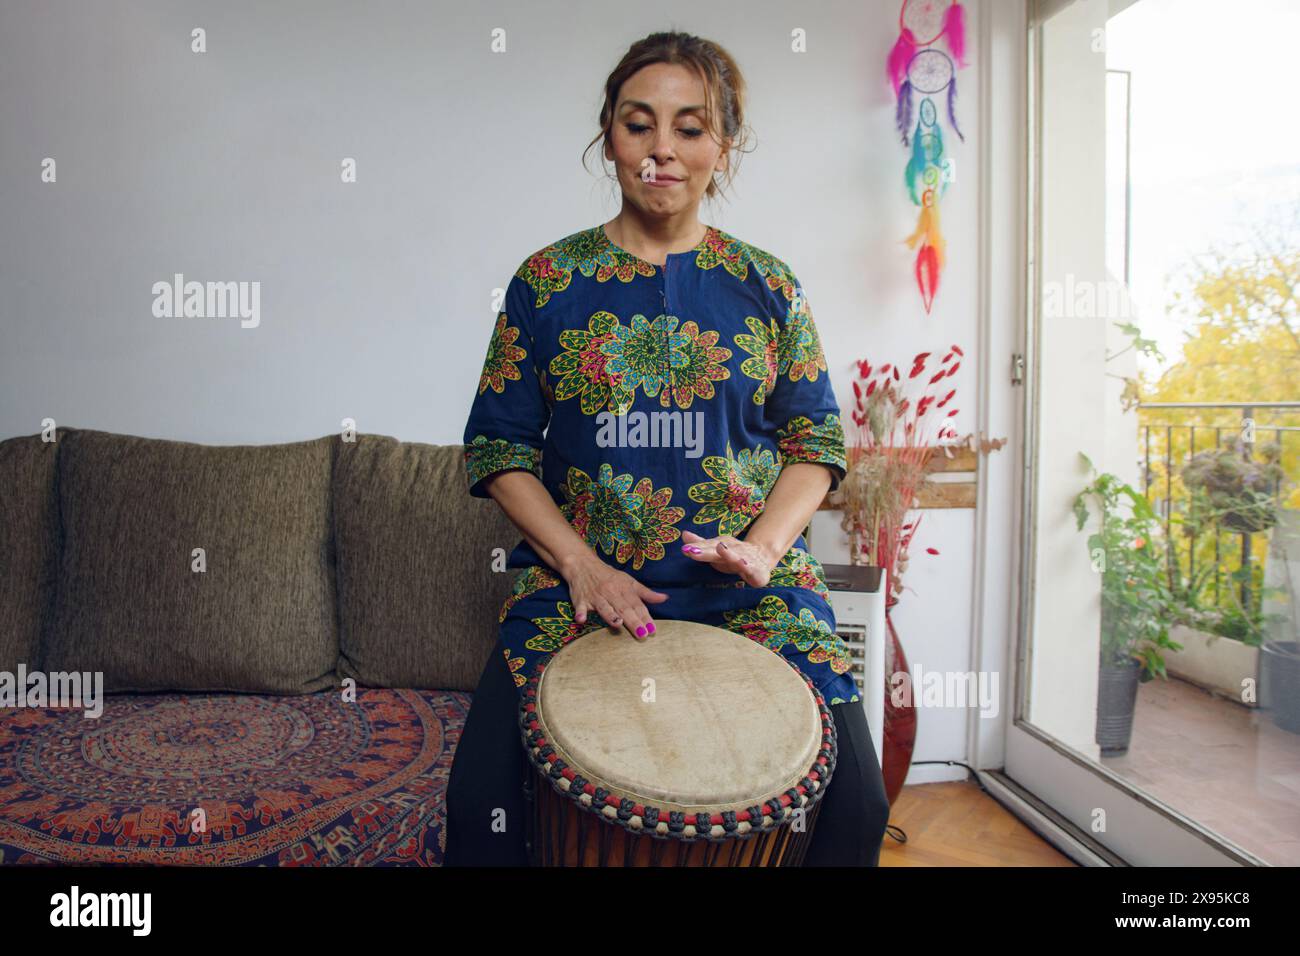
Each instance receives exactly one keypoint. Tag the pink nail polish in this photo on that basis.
(640, 631)
(651, 625)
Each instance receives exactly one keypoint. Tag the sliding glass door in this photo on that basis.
(1157, 634)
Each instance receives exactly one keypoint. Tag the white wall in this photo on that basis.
(935, 618)
(377, 297)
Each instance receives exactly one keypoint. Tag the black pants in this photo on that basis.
(486, 811)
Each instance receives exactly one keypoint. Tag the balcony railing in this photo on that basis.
(1165, 446)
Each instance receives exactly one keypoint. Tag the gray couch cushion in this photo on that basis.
(29, 546)
(261, 618)
(419, 596)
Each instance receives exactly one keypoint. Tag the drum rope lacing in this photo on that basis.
(645, 819)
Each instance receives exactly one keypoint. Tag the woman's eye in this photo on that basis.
(636, 129)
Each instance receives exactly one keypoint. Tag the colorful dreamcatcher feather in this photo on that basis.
(918, 68)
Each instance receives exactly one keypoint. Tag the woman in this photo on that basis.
(630, 516)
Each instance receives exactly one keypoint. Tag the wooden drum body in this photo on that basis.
(694, 747)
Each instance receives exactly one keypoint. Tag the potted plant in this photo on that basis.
(1220, 637)
(1135, 601)
(896, 436)
(1230, 491)
(1237, 492)
(903, 416)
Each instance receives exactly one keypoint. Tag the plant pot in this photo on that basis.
(1213, 662)
(1279, 665)
(1248, 522)
(1116, 700)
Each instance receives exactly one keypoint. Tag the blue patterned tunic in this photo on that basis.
(650, 399)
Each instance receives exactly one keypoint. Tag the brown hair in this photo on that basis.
(724, 88)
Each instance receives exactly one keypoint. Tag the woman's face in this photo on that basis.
(660, 124)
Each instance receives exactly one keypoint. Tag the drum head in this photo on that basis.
(692, 718)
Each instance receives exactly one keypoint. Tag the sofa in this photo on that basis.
(287, 637)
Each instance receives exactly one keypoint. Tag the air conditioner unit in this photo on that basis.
(858, 600)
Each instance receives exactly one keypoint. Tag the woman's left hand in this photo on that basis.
(752, 562)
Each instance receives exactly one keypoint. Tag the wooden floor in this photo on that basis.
(957, 824)
(1227, 766)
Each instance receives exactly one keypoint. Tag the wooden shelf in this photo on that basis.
(958, 491)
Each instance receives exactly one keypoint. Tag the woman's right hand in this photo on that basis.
(615, 595)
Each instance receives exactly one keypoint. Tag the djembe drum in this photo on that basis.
(694, 747)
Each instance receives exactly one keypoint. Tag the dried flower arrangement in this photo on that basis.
(898, 434)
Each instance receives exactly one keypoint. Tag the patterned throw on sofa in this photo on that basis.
(288, 637)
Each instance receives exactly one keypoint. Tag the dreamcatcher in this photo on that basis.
(918, 67)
